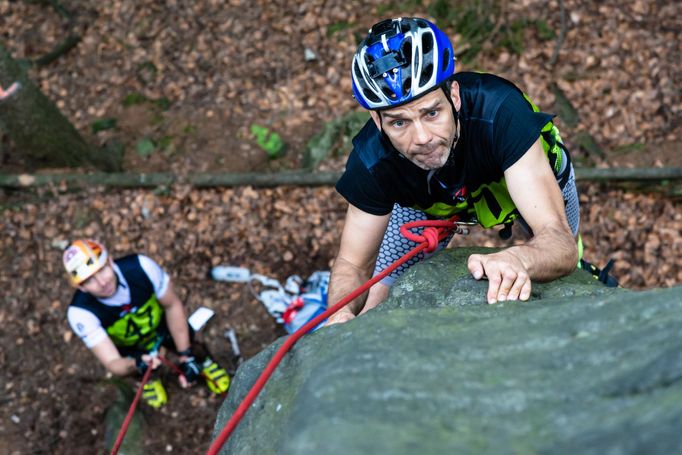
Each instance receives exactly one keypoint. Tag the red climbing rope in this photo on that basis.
(171, 365)
(133, 405)
(131, 411)
(434, 232)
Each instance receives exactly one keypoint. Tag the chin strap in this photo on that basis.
(455, 114)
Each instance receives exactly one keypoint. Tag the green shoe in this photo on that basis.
(154, 394)
(216, 377)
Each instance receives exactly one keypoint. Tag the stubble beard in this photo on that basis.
(440, 161)
(447, 144)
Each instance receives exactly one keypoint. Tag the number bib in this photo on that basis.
(138, 328)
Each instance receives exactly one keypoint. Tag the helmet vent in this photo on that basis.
(387, 91)
(407, 85)
(426, 74)
(370, 95)
(406, 50)
(446, 59)
(427, 43)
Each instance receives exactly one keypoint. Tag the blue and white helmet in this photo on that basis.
(400, 60)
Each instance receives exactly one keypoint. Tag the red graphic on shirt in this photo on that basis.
(125, 309)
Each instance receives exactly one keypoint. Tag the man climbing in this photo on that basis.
(125, 310)
(439, 144)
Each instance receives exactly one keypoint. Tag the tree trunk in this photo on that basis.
(199, 180)
(654, 176)
(38, 129)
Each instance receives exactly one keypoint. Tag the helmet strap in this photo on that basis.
(383, 133)
(455, 114)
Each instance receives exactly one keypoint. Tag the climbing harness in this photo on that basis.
(434, 231)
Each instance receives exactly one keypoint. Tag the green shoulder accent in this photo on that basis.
(530, 101)
(550, 140)
(139, 328)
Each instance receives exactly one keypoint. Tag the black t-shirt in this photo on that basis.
(497, 126)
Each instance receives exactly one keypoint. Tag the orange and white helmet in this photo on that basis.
(83, 258)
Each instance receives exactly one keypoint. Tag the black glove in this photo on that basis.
(190, 368)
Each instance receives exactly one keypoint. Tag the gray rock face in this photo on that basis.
(580, 368)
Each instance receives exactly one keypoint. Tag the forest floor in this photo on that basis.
(191, 79)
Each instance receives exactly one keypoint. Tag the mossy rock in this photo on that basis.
(580, 368)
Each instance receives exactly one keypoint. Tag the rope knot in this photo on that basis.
(430, 235)
(433, 232)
